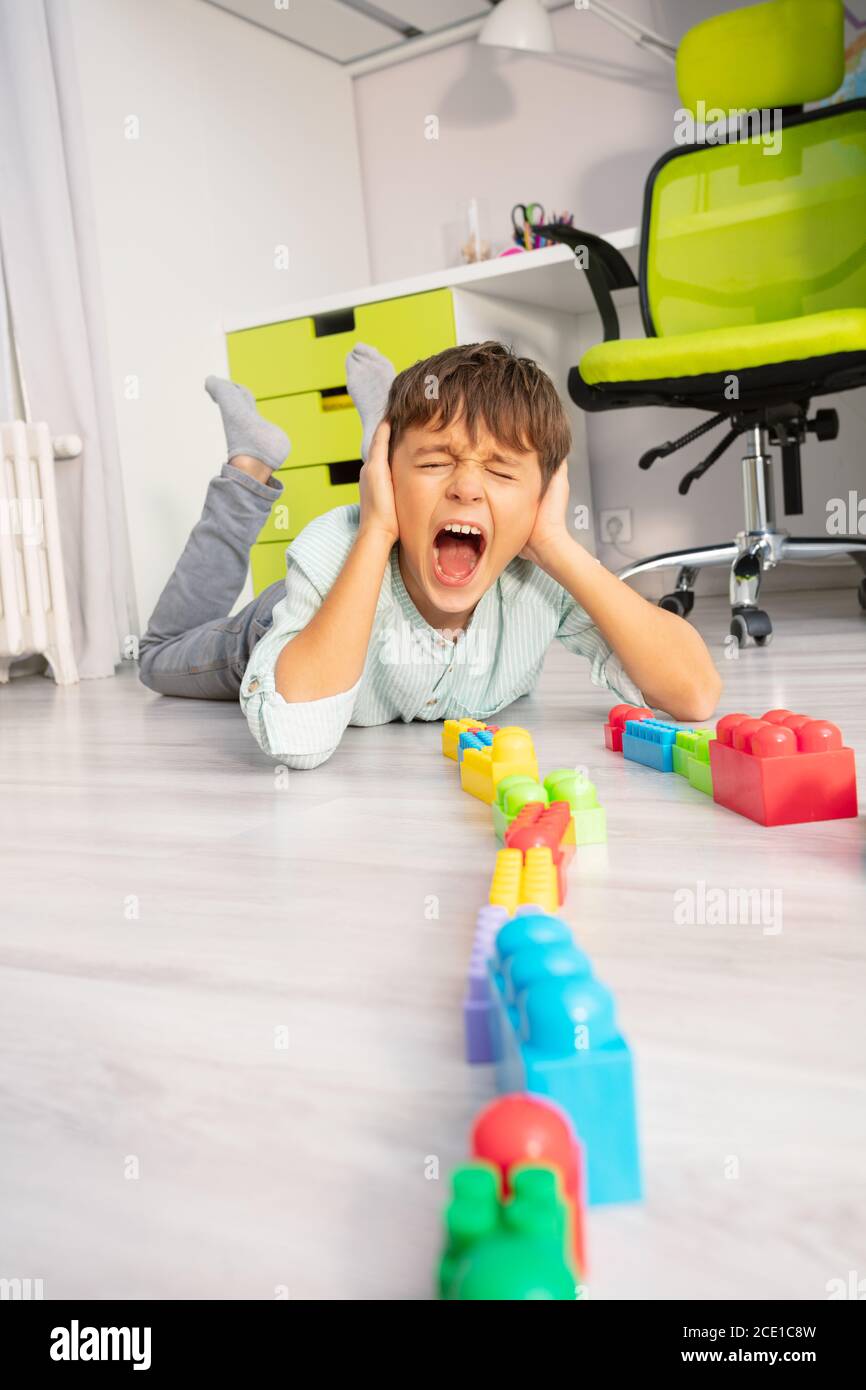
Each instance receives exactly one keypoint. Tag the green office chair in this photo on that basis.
(752, 282)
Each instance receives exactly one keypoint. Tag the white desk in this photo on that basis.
(545, 279)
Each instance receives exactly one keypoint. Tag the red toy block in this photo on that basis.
(783, 769)
(616, 723)
(532, 1129)
(537, 825)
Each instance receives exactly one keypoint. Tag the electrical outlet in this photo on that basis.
(615, 525)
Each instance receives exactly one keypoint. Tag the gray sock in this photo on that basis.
(246, 431)
(368, 377)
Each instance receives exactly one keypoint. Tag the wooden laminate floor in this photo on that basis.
(230, 1016)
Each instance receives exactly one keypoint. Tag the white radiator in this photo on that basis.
(34, 618)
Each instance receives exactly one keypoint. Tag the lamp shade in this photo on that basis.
(523, 24)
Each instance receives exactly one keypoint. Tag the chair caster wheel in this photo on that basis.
(861, 593)
(681, 602)
(752, 625)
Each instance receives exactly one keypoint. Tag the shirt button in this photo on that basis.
(253, 685)
(431, 702)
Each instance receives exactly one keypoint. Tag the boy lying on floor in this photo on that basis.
(438, 596)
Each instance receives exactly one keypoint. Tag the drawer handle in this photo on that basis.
(349, 471)
(336, 398)
(337, 321)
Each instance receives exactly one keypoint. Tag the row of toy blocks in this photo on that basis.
(616, 720)
(520, 878)
(692, 758)
(783, 769)
(483, 766)
(588, 819)
(555, 1034)
(659, 744)
(514, 1225)
(453, 728)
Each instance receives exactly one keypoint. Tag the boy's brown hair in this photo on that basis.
(484, 384)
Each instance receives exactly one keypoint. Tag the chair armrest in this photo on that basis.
(606, 268)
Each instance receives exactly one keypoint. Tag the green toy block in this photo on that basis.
(513, 1250)
(692, 758)
(682, 754)
(700, 772)
(512, 794)
(589, 819)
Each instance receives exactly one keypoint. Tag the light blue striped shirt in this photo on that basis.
(412, 671)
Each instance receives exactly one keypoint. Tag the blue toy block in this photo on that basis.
(651, 742)
(554, 1033)
(473, 738)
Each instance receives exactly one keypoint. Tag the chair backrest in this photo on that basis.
(769, 223)
(736, 234)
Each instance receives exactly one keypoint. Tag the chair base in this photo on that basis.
(747, 557)
(758, 547)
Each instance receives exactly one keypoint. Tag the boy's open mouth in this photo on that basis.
(457, 549)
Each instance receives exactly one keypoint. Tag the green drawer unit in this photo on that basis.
(309, 354)
(307, 493)
(323, 428)
(268, 564)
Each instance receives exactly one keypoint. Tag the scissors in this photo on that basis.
(531, 215)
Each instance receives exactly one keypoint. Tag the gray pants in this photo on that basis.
(192, 647)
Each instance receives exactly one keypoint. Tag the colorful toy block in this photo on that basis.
(616, 721)
(521, 879)
(476, 1001)
(555, 1034)
(536, 825)
(783, 769)
(651, 742)
(513, 793)
(523, 1129)
(477, 1005)
(692, 758)
(451, 731)
(513, 1250)
(482, 769)
(473, 738)
(588, 819)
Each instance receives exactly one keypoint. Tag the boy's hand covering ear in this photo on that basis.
(378, 510)
(550, 528)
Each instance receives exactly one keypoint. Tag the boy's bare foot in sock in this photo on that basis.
(254, 445)
(368, 377)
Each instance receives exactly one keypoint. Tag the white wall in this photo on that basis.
(246, 143)
(576, 134)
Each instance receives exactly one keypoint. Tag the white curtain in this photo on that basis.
(52, 287)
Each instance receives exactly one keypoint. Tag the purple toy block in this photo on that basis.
(477, 1003)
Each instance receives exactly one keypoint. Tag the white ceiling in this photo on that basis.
(345, 30)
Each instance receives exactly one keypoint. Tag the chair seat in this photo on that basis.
(725, 350)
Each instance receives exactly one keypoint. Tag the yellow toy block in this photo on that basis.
(482, 769)
(538, 880)
(505, 885)
(451, 731)
(521, 879)
(513, 753)
(476, 773)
